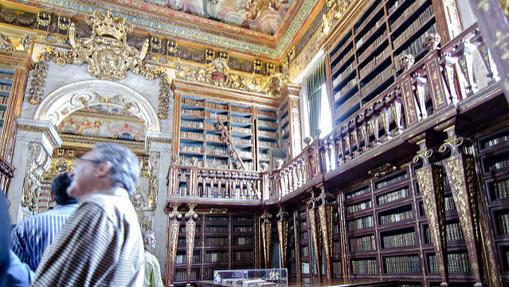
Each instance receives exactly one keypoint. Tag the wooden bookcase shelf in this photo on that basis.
(493, 149)
(364, 60)
(254, 132)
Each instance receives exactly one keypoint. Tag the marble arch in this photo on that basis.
(78, 95)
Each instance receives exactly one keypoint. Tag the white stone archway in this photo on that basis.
(79, 95)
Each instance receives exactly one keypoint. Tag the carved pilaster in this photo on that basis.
(431, 184)
(173, 216)
(325, 216)
(266, 236)
(462, 179)
(190, 217)
(282, 232)
(343, 241)
(314, 235)
(36, 164)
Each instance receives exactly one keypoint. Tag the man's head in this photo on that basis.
(59, 187)
(149, 240)
(106, 166)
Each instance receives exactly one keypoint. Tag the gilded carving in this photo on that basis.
(282, 231)
(266, 226)
(325, 218)
(37, 162)
(191, 217)
(174, 216)
(314, 233)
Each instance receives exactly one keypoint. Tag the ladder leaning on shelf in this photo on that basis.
(232, 151)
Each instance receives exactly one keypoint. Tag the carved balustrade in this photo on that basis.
(440, 81)
(214, 183)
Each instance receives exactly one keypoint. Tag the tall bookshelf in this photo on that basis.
(388, 235)
(305, 247)
(253, 131)
(493, 150)
(364, 60)
(6, 80)
(222, 242)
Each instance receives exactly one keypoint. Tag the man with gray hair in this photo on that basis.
(152, 269)
(101, 244)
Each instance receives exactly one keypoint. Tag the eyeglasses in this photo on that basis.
(94, 161)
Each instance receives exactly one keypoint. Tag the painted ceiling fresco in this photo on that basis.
(258, 15)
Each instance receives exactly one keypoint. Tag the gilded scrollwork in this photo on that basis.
(37, 162)
(325, 218)
(314, 231)
(266, 226)
(174, 217)
(282, 231)
(190, 218)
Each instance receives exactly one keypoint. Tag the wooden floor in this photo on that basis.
(337, 283)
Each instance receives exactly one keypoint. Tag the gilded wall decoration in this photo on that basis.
(282, 231)
(266, 226)
(107, 54)
(36, 164)
(190, 217)
(174, 217)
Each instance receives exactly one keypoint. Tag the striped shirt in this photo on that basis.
(30, 238)
(101, 245)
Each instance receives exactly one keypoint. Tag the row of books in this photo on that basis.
(194, 113)
(399, 240)
(373, 46)
(217, 106)
(242, 256)
(383, 76)
(411, 29)
(243, 241)
(216, 150)
(364, 39)
(502, 221)
(4, 100)
(362, 244)
(216, 229)
(240, 141)
(192, 102)
(453, 232)
(243, 229)
(348, 87)
(5, 88)
(191, 135)
(375, 11)
(191, 148)
(409, 11)
(396, 5)
(180, 276)
(344, 74)
(500, 189)
(245, 154)
(242, 130)
(216, 218)
(391, 181)
(216, 256)
(456, 263)
(186, 160)
(395, 217)
(449, 203)
(359, 206)
(192, 124)
(182, 258)
(359, 192)
(219, 116)
(402, 264)
(336, 269)
(393, 196)
(346, 57)
(361, 223)
(304, 251)
(243, 219)
(496, 141)
(501, 164)
(213, 137)
(375, 62)
(241, 119)
(364, 267)
(6, 76)
(271, 114)
(217, 163)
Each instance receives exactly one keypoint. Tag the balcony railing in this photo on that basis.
(439, 82)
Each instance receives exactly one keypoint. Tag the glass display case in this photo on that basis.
(277, 277)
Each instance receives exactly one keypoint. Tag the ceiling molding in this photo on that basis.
(194, 34)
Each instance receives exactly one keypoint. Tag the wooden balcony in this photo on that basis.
(443, 86)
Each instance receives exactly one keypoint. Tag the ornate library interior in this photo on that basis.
(320, 142)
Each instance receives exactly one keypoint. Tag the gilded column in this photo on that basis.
(314, 234)
(173, 216)
(325, 216)
(343, 240)
(431, 184)
(462, 179)
(190, 217)
(282, 231)
(266, 227)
